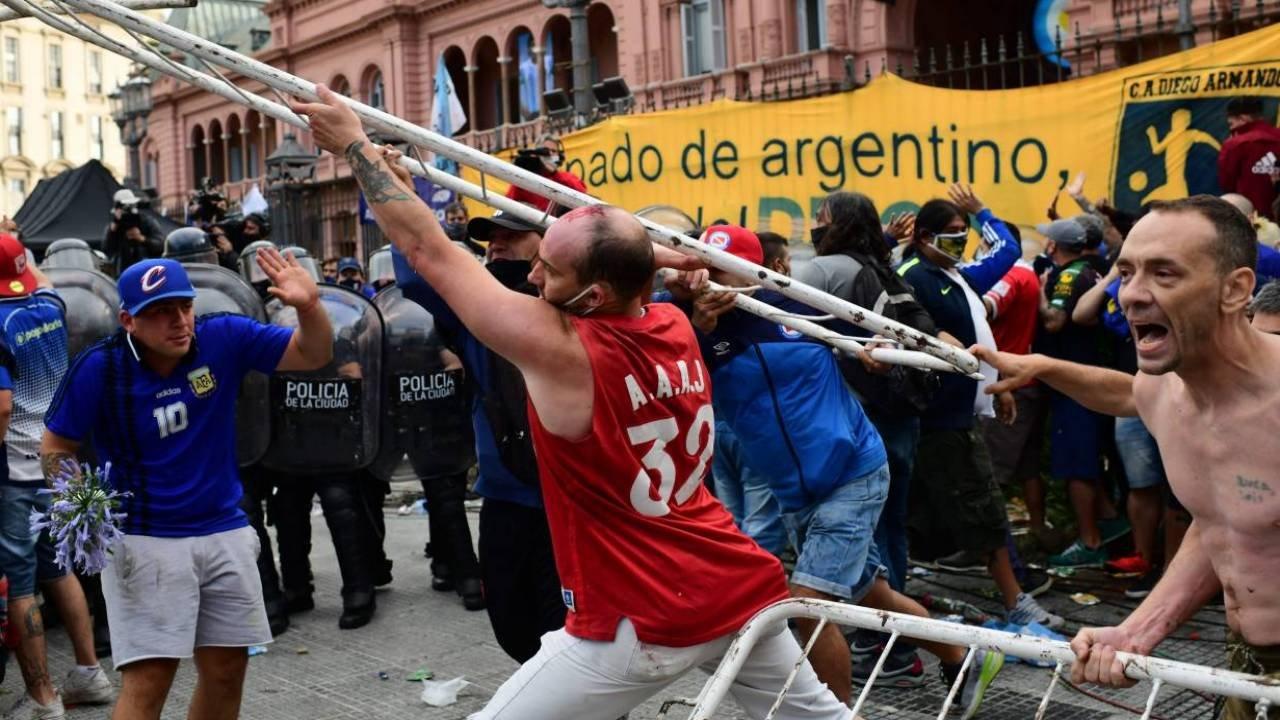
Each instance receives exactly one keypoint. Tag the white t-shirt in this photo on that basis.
(983, 404)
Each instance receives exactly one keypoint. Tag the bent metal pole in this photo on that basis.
(395, 127)
(142, 5)
(222, 88)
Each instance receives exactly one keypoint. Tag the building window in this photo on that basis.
(95, 72)
(55, 135)
(811, 24)
(55, 67)
(13, 122)
(95, 136)
(702, 23)
(17, 193)
(150, 171)
(377, 92)
(12, 70)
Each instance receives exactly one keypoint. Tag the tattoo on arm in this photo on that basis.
(379, 184)
(56, 464)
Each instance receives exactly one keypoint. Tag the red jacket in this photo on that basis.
(1245, 164)
(567, 179)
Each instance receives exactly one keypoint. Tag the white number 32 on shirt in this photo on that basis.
(658, 460)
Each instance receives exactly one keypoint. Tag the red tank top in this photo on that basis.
(636, 533)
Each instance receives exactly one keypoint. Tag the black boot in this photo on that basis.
(355, 545)
(299, 601)
(441, 578)
(472, 594)
(277, 616)
(357, 608)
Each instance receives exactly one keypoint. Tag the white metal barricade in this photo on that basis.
(1260, 691)
(918, 349)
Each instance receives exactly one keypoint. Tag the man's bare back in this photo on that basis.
(1223, 463)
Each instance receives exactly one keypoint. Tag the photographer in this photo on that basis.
(206, 206)
(545, 161)
(130, 236)
(232, 235)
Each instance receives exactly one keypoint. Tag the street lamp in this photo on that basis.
(289, 168)
(130, 107)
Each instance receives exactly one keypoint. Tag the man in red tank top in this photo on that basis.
(657, 578)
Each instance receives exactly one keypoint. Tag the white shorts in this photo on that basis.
(575, 679)
(168, 596)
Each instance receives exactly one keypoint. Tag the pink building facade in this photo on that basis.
(503, 55)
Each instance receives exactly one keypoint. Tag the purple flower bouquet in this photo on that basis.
(83, 520)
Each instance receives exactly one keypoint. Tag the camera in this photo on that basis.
(209, 205)
(535, 160)
(126, 206)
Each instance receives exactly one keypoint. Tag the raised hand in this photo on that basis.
(334, 125)
(291, 284)
(392, 156)
(901, 225)
(1076, 188)
(963, 196)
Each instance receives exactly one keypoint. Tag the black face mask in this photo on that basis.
(457, 232)
(513, 274)
(352, 283)
(817, 235)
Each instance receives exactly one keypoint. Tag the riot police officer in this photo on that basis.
(324, 432)
(426, 417)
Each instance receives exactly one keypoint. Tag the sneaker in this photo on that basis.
(1028, 611)
(866, 642)
(1133, 564)
(963, 561)
(901, 670)
(1143, 587)
(982, 672)
(1113, 529)
(1079, 555)
(28, 709)
(87, 688)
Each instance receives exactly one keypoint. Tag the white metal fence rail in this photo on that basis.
(1262, 692)
(921, 350)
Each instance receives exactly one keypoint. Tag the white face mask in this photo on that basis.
(567, 305)
(551, 162)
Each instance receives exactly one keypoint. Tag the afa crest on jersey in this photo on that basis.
(202, 381)
(788, 333)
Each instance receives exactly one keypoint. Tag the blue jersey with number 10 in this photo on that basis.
(171, 441)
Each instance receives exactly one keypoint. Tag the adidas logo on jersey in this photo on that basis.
(1265, 165)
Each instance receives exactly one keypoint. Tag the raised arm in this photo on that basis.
(1101, 390)
(523, 329)
(311, 346)
(1088, 309)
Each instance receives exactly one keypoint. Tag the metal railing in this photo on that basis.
(1262, 692)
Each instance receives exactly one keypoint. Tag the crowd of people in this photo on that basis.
(657, 466)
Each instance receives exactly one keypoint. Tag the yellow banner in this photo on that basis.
(1145, 132)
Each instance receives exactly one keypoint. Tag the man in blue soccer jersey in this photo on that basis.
(158, 399)
(33, 359)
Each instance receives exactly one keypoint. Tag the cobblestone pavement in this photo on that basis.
(316, 672)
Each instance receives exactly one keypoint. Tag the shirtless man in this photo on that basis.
(1208, 387)
(656, 578)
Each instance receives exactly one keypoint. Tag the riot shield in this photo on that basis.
(326, 421)
(93, 305)
(69, 253)
(425, 413)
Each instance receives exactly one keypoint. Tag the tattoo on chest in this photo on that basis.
(1253, 491)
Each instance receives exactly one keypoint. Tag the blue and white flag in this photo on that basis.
(447, 115)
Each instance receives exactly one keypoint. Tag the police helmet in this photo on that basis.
(69, 253)
(190, 245)
(381, 270)
(304, 259)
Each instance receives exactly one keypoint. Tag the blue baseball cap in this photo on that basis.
(150, 281)
(349, 263)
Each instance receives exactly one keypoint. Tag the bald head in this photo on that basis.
(1241, 203)
(612, 247)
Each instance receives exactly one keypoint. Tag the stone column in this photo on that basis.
(504, 98)
(538, 60)
(470, 70)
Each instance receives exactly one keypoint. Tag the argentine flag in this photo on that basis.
(447, 115)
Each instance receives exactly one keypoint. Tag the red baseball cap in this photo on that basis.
(735, 240)
(16, 279)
